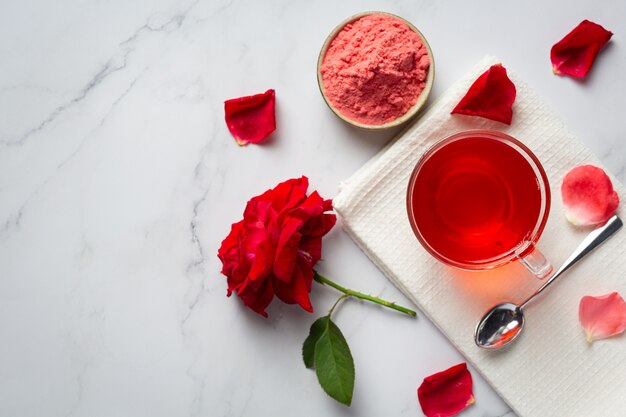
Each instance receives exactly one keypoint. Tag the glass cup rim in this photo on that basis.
(542, 180)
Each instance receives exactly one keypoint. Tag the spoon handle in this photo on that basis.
(592, 241)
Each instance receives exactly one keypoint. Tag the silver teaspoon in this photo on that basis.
(504, 322)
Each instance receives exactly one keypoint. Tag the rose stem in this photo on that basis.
(351, 293)
(337, 302)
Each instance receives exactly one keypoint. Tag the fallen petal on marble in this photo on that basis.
(491, 96)
(251, 119)
(588, 196)
(446, 393)
(603, 316)
(577, 51)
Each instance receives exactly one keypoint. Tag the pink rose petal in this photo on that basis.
(588, 196)
(603, 316)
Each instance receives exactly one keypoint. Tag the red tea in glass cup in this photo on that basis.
(480, 199)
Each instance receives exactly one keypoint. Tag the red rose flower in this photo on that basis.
(272, 251)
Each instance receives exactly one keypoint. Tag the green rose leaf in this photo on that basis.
(333, 363)
(308, 347)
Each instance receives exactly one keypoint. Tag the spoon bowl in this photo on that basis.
(499, 326)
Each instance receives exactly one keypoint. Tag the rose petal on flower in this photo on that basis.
(319, 225)
(446, 393)
(577, 51)
(287, 251)
(603, 316)
(588, 196)
(286, 196)
(261, 263)
(297, 291)
(257, 299)
(491, 96)
(314, 230)
(229, 250)
(257, 248)
(251, 119)
(312, 206)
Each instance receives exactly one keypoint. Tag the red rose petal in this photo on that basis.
(577, 51)
(297, 291)
(287, 250)
(257, 299)
(603, 316)
(588, 196)
(446, 393)
(491, 96)
(251, 119)
(228, 252)
(286, 195)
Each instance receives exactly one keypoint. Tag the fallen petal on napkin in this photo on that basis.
(550, 370)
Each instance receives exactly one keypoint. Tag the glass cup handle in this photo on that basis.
(534, 261)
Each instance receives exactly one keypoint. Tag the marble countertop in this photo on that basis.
(118, 180)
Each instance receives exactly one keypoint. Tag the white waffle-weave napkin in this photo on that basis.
(551, 370)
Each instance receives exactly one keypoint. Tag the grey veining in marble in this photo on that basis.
(118, 180)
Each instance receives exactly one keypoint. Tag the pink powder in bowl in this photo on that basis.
(375, 69)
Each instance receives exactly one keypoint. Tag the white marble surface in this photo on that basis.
(118, 180)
